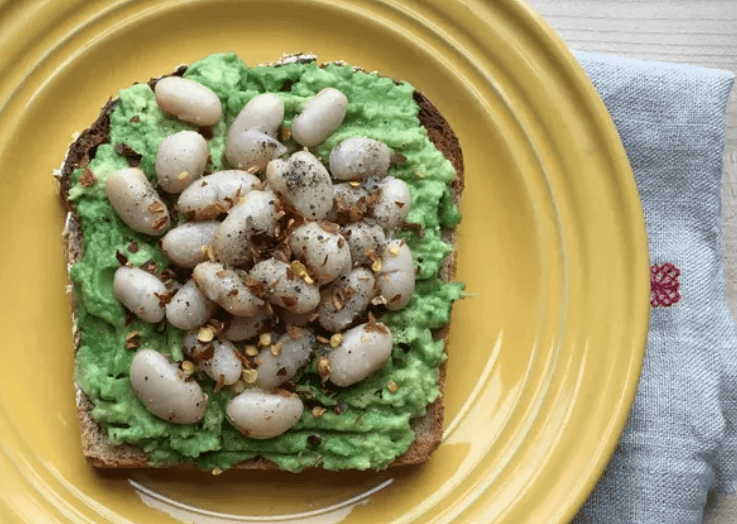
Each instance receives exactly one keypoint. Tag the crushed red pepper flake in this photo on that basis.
(87, 178)
(289, 302)
(133, 340)
(284, 393)
(398, 159)
(161, 223)
(150, 266)
(220, 383)
(164, 298)
(156, 207)
(255, 287)
(294, 332)
(244, 360)
(329, 227)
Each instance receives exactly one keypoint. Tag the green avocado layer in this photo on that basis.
(373, 426)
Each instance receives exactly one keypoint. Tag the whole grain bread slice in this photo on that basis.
(97, 449)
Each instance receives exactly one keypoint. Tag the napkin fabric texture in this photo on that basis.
(680, 442)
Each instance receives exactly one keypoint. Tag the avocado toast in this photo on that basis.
(395, 415)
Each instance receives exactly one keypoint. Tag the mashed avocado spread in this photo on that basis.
(365, 425)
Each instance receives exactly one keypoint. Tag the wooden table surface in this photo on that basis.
(697, 32)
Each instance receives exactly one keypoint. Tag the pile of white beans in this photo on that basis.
(289, 249)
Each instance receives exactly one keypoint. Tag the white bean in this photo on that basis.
(392, 204)
(364, 349)
(345, 299)
(185, 245)
(264, 113)
(180, 160)
(224, 286)
(260, 415)
(217, 357)
(243, 328)
(321, 115)
(358, 158)
(304, 182)
(232, 241)
(326, 255)
(350, 203)
(350, 196)
(136, 201)
(141, 292)
(252, 149)
(223, 362)
(162, 388)
(397, 257)
(275, 370)
(215, 194)
(190, 307)
(361, 238)
(285, 289)
(396, 279)
(188, 100)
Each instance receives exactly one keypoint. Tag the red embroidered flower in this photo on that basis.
(664, 284)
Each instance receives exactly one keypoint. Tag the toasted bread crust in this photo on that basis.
(97, 449)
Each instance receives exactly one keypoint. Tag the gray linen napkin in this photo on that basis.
(681, 438)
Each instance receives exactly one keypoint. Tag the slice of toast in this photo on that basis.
(96, 447)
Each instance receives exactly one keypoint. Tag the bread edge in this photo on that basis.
(96, 447)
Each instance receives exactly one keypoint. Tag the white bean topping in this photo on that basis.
(141, 292)
(358, 158)
(285, 289)
(185, 245)
(304, 182)
(223, 362)
(349, 203)
(252, 149)
(396, 280)
(260, 415)
(160, 385)
(215, 194)
(361, 238)
(393, 203)
(263, 113)
(180, 160)
(345, 298)
(188, 100)
(136, 201)
(232, 241)
(224, 286)
(350, 196)
(364, 349)
(321, 115)
(243, 328)
(275, 369)
(190, 307)
(326, 255)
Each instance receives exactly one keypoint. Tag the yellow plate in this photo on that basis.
(545, 357)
